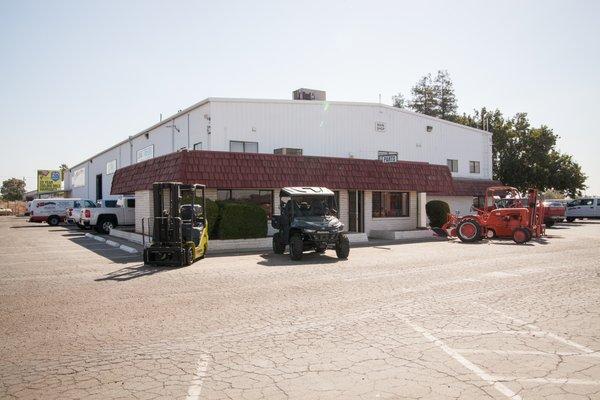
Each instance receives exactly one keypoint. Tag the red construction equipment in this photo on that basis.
(505, 214)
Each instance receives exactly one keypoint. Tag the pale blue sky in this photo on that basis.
(79, 76)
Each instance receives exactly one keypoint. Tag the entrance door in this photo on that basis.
(356, 222)
(98, 186)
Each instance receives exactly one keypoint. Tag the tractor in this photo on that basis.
(504, 214)
(180, 226)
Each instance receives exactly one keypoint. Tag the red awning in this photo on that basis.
(228, 170)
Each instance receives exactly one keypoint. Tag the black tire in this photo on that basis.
(53, 220)
(278, 246)
(468, 231)
(342, 246)
(570, 219)
(105, 224)
(296, 247)
(81, 226)
(321, 249)
(521, 235)
(549, 223)
(189, 256)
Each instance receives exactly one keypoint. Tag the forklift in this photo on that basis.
(180, 226)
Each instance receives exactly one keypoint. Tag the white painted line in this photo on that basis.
(491, 332)
(525, 352)
(195, 388)
(556, 337)
(112, 243)
(100, 239)
(558, 381)
(128, 249)
(505, 390)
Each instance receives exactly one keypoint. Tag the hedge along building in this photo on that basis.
(317, 127)
(371, 195)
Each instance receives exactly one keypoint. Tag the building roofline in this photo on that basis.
(276, 101)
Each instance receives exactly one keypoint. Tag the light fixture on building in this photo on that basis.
(147, 135)
(429, 128)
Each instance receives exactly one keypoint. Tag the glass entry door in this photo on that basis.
(356, 211)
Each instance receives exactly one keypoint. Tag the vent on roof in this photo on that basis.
(308, 94)
(288, 151)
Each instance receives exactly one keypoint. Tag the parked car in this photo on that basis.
(5, 211)
(105, 216)
(554, 211)
(587, 207)
(73, 215)
(53, 210)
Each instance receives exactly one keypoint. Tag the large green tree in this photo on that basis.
(431, 96)
(423, 97)
(445, 99)
(13, 189)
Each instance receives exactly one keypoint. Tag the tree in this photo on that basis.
(13, 189)
(398, 101)
(445, 99)
(423, 97)
(63, 168)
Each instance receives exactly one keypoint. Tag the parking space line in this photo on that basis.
(491, 332)
(195, 388)
(557, 381)
(525, 352)
(505, 390)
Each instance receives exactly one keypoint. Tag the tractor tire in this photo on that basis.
(296, 247)
(278, 246)
(521, 235)
(468, 231)
(570, 219)
(189, 256)
(342, 247)
(53, 220)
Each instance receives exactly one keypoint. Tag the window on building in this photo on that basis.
(243, 147)
(111, 167)
(198, 146)
(474, 167)
(145, 154)
(453, 165)
(263, 198)
(78, 178)
(390, 204)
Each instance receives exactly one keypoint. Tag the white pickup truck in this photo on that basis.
(103, 218)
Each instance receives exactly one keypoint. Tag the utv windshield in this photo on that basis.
(310, 206)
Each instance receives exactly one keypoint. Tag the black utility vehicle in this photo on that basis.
(308, 221)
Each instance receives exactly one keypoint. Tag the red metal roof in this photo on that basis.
(228, 170)
(473, 187)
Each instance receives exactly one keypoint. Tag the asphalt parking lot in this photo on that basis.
(435, 320)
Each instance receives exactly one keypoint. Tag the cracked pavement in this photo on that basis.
(435, 320)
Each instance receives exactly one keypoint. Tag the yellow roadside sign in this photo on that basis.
(48, 180)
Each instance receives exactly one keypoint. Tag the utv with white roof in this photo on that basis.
(308, 221)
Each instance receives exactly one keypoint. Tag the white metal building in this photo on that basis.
(309, 127)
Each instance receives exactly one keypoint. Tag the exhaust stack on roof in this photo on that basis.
(308, 94)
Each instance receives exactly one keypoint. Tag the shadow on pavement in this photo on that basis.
(283, 260)
(136, 271)
(113, 254)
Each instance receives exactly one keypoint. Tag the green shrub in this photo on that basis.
(437, 212)
(241, 221)
(212, 215)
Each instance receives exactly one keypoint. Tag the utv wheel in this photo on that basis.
(570, 219)
(296, 247)
(468, 231)
(278, 246)
(53, 220)
(342, 247)
(521, 235)
(189, 256)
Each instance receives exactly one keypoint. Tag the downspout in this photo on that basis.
(188, 130)
(173, 135)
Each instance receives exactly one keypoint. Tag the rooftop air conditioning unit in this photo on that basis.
(288, 151)
(308, 94)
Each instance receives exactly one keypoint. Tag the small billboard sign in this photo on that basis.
(48, 180)
(388, 158)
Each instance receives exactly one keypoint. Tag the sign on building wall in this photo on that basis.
(380, 126)
(48, 180)
(78, 177)
(388, 158)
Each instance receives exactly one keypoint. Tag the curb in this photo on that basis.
(128, 249)
(112, 243)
